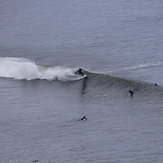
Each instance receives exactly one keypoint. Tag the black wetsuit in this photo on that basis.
(80, 71)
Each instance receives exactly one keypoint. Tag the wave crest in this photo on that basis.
(22, 68)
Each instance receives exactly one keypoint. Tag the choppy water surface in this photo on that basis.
(119, 46)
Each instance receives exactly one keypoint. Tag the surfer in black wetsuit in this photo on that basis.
(131, 93)
(83, 119)
(80, 71)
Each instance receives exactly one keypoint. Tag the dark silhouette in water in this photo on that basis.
(80, 71)
(35, 161)
(156, 84)
(131, 93)
(84, 118)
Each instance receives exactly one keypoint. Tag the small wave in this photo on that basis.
(140, 66)
(22, 68)
(107, 83)
(145, 65)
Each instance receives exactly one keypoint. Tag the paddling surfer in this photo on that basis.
(83, 119)
(131, 93)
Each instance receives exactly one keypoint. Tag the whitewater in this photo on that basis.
(21, 68)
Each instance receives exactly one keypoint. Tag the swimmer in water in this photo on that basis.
(83, 119)
(131, 93)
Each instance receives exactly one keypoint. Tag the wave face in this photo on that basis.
(21, 68)
(25, 69)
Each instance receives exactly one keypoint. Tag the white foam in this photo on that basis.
(21, 68)
(140, 66)
(144, 65)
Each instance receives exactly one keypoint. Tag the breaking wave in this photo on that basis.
(25, 69)
(21, 68)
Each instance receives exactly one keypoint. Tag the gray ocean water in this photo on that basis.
(118, 44)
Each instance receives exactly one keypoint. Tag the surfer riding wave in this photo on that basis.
(80, 71)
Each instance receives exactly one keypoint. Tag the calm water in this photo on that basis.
(119, 46)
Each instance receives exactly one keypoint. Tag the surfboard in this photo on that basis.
(84, 76)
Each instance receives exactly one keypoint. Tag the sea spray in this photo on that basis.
(22, 68)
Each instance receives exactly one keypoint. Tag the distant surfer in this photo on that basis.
(131, 93)
(80, 71)
(156, 84)
(35, 161)
(83, 119)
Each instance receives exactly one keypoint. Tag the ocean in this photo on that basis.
(118, 44)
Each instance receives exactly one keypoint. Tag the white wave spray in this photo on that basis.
(144, 65)
(21, 68)
(140, 66)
